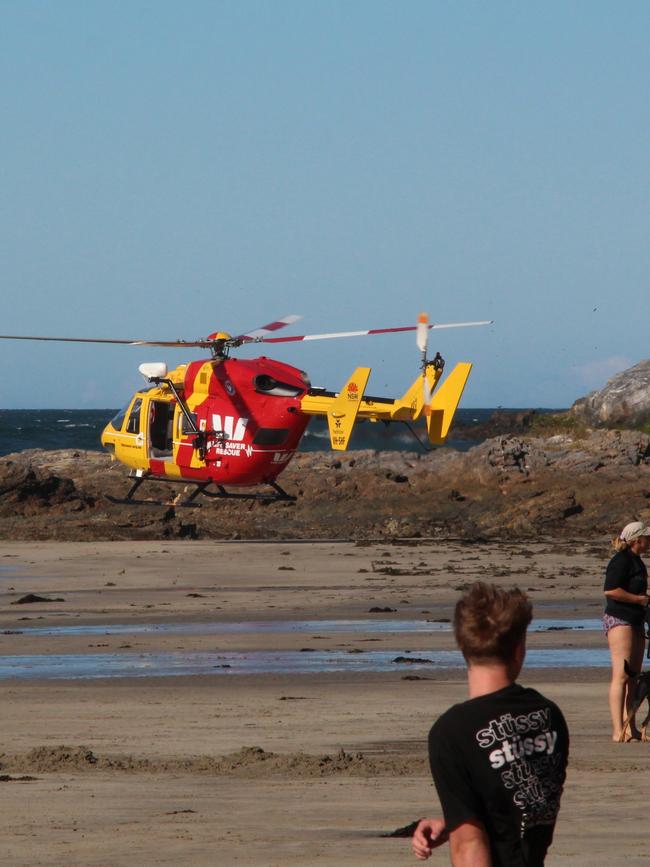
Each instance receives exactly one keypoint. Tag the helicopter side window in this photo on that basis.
(133, 424)
(270, 436)
(185, 425)
(118, 420)
(265, 384)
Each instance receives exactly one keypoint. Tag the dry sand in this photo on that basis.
(281, 769)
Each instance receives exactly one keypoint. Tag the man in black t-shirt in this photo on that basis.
(499, 759)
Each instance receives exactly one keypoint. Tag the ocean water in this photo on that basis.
(81, 429)
(50, 429)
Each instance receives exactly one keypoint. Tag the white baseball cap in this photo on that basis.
(633, 531)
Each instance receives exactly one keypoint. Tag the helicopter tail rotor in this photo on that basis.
(422, 342)
(431, 370)
(422, 333)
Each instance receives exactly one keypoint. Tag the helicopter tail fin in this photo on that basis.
(445, 402)
(342, 413)
(411, 405)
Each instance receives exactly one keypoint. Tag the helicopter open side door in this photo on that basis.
(160, 428)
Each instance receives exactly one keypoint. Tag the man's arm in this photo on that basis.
(458, 793)
(469, 845)
(429, 834)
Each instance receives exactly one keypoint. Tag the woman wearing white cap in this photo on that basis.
(626, 592)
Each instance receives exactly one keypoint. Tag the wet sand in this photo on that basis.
(157, 770)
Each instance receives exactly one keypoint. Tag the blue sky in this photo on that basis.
(169, 169)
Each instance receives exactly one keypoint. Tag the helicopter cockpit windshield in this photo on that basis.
(118, 419)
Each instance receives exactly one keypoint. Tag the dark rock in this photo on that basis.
(508, 453)
(25, 490)
(33, 597)
(412, 660)
(400, 478)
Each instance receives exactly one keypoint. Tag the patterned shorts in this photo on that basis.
(609, 622)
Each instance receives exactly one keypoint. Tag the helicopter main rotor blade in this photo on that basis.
(257, 336)
(181, 343)
(369, 331)
(204, 343)
(267, 329)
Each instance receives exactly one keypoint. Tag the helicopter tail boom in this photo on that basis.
(344, 408)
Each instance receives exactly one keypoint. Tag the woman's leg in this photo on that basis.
(636, 664)
(621, 640)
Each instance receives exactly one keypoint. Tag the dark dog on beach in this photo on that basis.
(640, 693)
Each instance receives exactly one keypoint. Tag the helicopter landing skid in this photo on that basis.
(276, 496)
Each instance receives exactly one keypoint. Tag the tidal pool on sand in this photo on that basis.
(278, 626)
(82, 666)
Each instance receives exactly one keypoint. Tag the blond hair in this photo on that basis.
(489, 621)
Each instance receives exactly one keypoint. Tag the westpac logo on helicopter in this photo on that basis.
(229, 435)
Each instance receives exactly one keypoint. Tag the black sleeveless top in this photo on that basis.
(627, 571)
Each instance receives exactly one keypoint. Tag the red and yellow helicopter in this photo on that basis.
(225, 421)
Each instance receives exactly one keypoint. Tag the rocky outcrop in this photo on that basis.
(507, 487)
(29, 490)
(623, 402)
